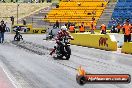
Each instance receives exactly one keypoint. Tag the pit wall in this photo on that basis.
(99, 41)
(127, 48)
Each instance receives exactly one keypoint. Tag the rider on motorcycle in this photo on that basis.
(17, 31)
(63, 32)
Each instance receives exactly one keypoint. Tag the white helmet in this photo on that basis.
(64, 28)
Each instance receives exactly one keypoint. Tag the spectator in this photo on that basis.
(24, 22)
(72, 28)
(12, 20)
(2, 31)
(113, 29)
(79, 4)
(118, 27)
(92, 26)
(69, 24)
(131, 28)
(103, 29)
(82, 28)
(57, 24)
(102, 5)
(127, 31)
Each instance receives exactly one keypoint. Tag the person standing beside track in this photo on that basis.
(103, 29)
(57, 24)
(92, 26)
(118, 27)
(2, 31)
(72, 29)
(127, 31)
(82, 28)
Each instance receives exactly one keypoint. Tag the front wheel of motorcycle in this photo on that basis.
(68, 53)
(21, 37)
(59, 55)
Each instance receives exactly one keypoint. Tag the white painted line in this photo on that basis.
(9, 76)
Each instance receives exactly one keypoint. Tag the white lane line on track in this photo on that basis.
(10, 77)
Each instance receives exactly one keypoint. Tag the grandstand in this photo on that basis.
(122, 11)
(77, 11)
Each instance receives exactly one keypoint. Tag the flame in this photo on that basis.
(81, 71)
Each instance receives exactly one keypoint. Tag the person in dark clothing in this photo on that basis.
(24, 22)
(12, 20)
(118, 27)
(57, 24)
(2, 31)
(17, 32)
(102, 5)
(113, 29)
(69, 24)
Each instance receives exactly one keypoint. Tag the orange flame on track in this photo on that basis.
(81, 71)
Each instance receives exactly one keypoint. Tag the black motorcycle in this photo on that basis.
(63, 49)
(18, 36)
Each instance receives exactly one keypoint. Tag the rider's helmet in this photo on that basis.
(63, 28)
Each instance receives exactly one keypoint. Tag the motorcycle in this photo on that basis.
(63, 49)
(18, 36)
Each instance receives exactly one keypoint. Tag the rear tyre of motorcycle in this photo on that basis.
(68, 53)
(15, 38)
(18, 38)
(21, 37)
(59, 52)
